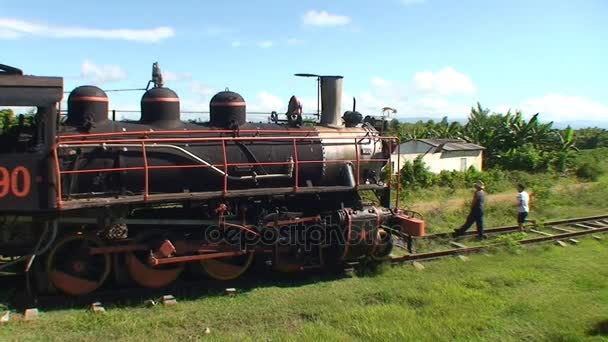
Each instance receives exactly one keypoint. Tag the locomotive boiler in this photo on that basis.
(91, 201)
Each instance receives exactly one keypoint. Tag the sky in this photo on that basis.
(425, 58)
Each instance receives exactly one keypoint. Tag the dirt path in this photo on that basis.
(508, 198)
(456, 203)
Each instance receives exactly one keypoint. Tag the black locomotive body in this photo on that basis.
(87, 201)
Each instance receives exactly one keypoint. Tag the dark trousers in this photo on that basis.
(474, 217)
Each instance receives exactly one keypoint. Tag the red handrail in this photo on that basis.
(146, 182)
(296, 164)
(225, 167)
(398, 174)
(358, 164)
(147, 167)
(181, 132)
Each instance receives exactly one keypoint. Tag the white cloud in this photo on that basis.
(99, 74)
(14, 28)
(380, 82)
(8, 34)
(265, 44)
(384, 88)
(446, 81)
(235, 44)
(558, 107)
(408, 102)
(294, 41)
(201, 89)
(267, 102)
(214, 31)
(169, 76)
(323, 18)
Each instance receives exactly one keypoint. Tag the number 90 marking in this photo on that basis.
(18, 182)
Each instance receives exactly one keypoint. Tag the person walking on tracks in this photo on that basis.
(523, 199)
(475, 213)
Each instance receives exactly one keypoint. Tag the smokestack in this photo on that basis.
(331, 100)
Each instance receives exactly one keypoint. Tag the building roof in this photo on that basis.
(452, 144)
(448, 145)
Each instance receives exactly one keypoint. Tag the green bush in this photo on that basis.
(590, 165)
(416, 174)
(525, 158)
(589, 171)
(451, 179)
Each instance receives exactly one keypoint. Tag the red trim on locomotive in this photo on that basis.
(160, 99)
(227, 104)
(89, 98)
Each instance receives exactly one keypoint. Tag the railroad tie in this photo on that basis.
(97, 308)
(580, 225)
(167, 300)
(418, 266)
(574, 241)
(30, 314)
(540, 233)
(560, 243)
(564, 230)
(150, 303)
(457, 244)
(463, 257)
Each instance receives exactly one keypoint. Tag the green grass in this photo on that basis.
(547, 293)
(564, 198)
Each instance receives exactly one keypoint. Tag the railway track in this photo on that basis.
(431, 247)
(564, 231)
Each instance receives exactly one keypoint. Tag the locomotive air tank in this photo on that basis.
(87, 106)
(160, 108)
(227, 109)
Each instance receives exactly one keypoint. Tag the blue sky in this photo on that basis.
(426, 58)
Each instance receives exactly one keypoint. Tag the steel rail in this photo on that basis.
(514, 228)
(506, 229)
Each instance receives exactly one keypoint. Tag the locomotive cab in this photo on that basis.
(26, 141)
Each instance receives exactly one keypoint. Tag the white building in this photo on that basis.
(439, 154)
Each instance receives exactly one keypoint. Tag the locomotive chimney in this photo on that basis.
(331, 100)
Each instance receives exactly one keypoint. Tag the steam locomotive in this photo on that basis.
(86, 201)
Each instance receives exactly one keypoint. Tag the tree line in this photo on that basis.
(511, 142)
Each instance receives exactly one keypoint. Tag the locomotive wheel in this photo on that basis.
(227, 268)
(73, 270)
(146, 275)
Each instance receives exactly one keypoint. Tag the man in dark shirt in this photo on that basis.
(476, 212)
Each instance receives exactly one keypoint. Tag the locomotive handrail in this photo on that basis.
(182, 132)
(358, 165)
(225, 191)
(146, 171)
(297, 169)
(212, 139)
(147, 143)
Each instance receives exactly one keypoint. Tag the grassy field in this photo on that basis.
(546, 293)
(552, 198)
(540, 293)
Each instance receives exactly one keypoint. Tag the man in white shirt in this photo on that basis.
(524, 206)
